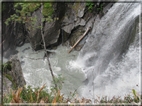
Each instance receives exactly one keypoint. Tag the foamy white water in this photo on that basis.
(114, 80)
(107, 74)
(36, 71)
(117, 80)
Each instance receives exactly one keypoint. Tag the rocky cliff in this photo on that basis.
(65, 25)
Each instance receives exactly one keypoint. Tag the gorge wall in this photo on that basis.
(69, 22)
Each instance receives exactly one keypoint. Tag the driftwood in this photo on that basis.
(44, 44)
(79, 39)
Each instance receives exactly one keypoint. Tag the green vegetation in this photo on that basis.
(14, 85)
(47, 9)
(6, 66)
(136, 96)
(41, 95)
(90, 6)
(34, 95)
(100, 8)
(23, 12)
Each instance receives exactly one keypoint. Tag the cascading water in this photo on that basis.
(111, 65)
(110, 58)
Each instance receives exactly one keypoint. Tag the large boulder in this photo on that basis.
(75, 23)
(73, 17)
(12, 71)
(33, 29)
(51, 29)
(78, 18)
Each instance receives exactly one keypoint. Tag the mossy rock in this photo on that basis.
(47, 9)
(6, 66)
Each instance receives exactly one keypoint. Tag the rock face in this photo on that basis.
(76, 20)
(70, 20)
(14, 73)
(51, 29)
(13, 35)
(7, 85)
(73, 17)
(33, 28)
(74, 23)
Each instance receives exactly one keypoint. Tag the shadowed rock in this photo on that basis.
(13, 72)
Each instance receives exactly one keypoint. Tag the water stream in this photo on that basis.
(36, 71)
(109, 59)
(107, 65)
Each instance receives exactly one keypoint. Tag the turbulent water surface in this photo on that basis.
(36, 71)
(107, 65)
(109, 58)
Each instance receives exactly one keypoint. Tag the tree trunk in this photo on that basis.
(44, 44)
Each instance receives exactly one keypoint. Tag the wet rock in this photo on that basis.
(107, 7)
(64, 36)
(51, 29)
(73, 17)
(25, 49)
(34, 31)
(13, 33)
(76, 34)
(13, 72)
(14, 39)
(7, 85)
(9, 52)
(52, 32)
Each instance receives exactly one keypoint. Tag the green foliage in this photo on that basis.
(47, 9)
(90, 5)
(24, 10)
(7, 98)
(6, 66)
(3, 7)
(32, 95)
(40, 95)
(14, 85)
(127, 99)
(100, 8)
(136, 97)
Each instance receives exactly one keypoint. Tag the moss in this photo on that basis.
(23, 12)
(6, 66)
(26, 7)
(90, 6)
(14, 85)
(47, 9)
(33, 6)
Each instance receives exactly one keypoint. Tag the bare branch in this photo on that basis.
(44, 44)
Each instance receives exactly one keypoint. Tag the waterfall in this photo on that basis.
(108, 64)
(109, 58)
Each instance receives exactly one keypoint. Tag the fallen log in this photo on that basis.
(79, 39)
